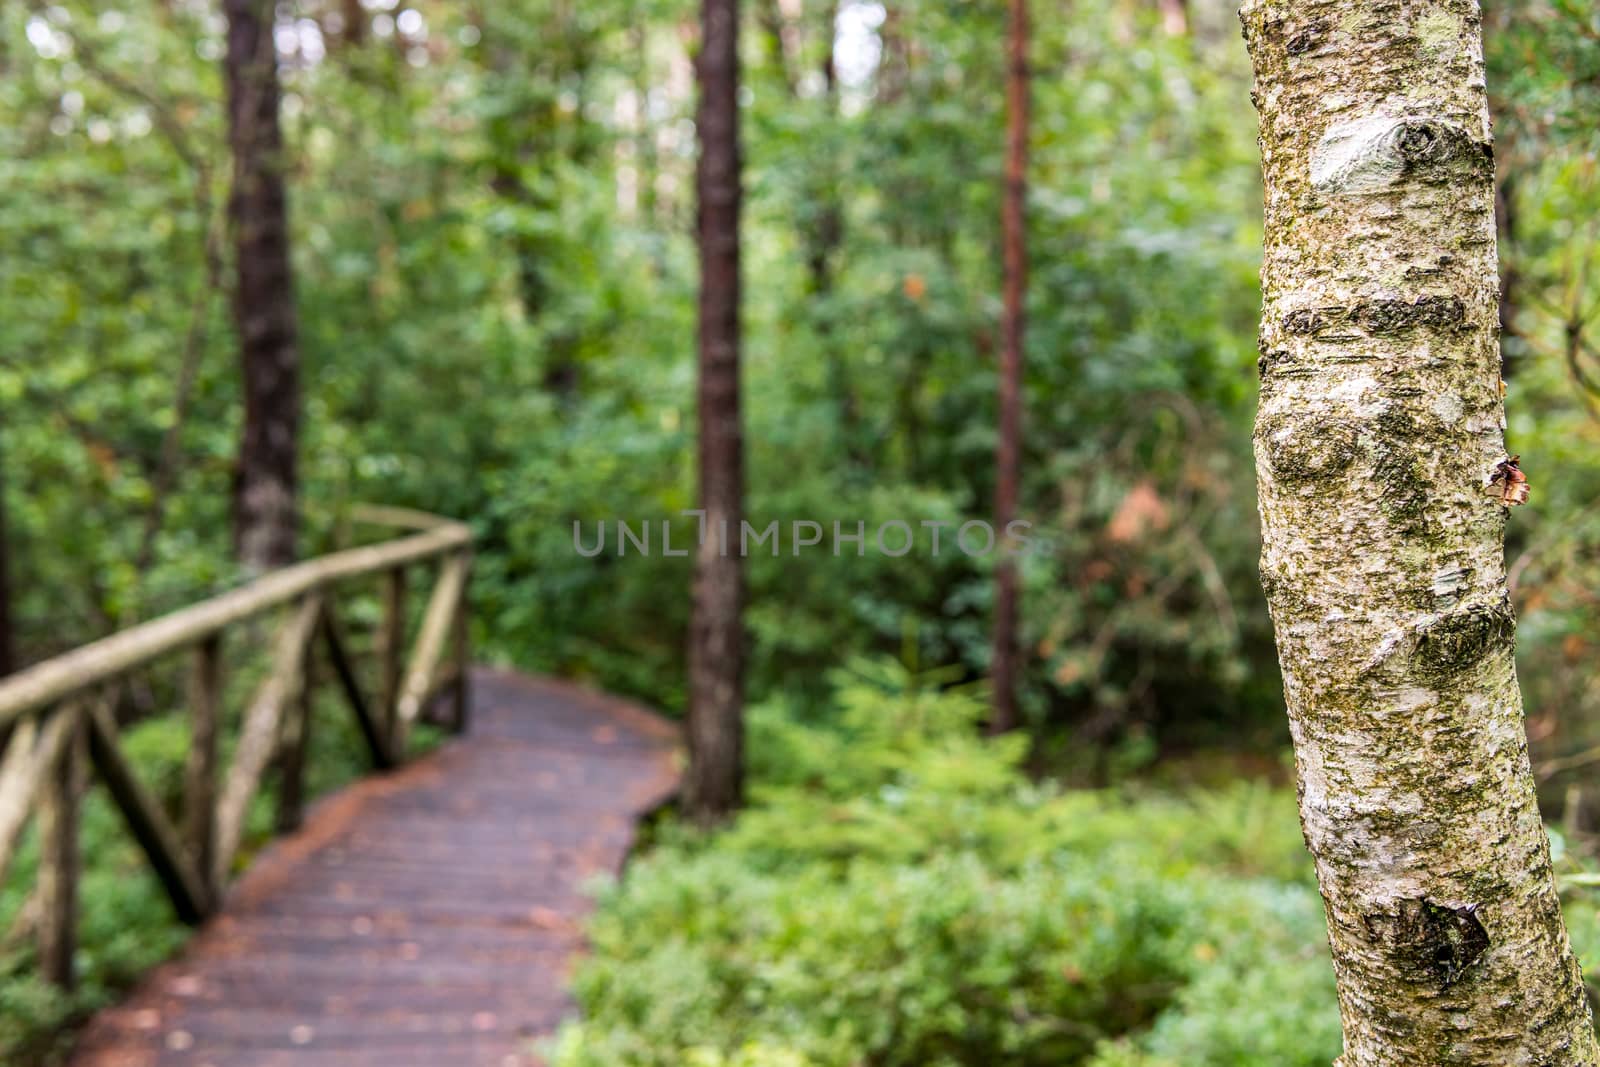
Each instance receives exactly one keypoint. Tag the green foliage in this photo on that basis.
(496, 284)
(903, 895)
(495, 279)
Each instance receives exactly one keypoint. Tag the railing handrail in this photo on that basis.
(71, 673)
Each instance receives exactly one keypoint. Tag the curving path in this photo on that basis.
(426, 918)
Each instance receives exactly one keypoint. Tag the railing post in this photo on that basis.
(58, 857)
(200, 770)
(391, 656)
(296, 740)
(461, 653)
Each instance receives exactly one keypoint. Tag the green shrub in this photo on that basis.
(901, 895)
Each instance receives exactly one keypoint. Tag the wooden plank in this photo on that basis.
(429, 649)
(200, 768)
(92, 665)
(372, 731)
(331, 953)
(32, 751)
(148, 823)
(59, 865)
(402, 518)
(258, 739)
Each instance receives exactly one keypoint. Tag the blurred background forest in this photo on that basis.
(492, 208)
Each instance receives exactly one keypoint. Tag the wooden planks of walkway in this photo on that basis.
(427, 918)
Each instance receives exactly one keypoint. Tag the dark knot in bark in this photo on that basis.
(1311, 451)
(1433, 944)
(1382, 152)
(1462, 639)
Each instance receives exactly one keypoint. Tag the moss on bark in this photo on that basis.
(1383, 550)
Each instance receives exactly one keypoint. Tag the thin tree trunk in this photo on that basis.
(648, 162)
(355, 23)
(777, 41)
(8, 633)
(1003, 668)
(263, 302)
(894, 63)
(823, 239)
(1175, 17)
(714, 785)
(1379, 432)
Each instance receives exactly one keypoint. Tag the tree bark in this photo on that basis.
(1175, 17)
(8, 633)
(777, 41)
(1379, 430)
(1003, 668)
(714, 784)
(263, 301)
(822, 240)
(355, 23)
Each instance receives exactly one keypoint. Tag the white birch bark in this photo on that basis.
(1379, 429)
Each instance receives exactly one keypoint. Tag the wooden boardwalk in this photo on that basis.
(426, 918)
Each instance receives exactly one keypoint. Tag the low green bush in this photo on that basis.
(900, 894)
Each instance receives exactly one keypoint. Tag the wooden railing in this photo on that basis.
(61, 718)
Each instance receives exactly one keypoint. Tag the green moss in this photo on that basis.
(1438, 35)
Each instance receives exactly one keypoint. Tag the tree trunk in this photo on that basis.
(8, 633)
(1003, 669)
(263, 300)
(1175, 17)
(894, 63)
(1379, 432)
(822, 240)
(355, 23)
(777, 40)
(714, 785)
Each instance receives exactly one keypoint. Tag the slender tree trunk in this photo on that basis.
(1003, 670)
(1379, 432)
(894, 63)
(263, 301)
(355, 23)
(714, 785)
(8, 633)
(648, 163)
(1175, 17)
(823, 239)
(777, 41)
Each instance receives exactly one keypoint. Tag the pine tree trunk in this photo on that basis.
(1003, 668)
(263, 301)
(714, 784)
(1379, 430)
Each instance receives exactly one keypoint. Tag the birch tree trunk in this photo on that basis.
(1379, 430)
(265, 518)
(714, 784)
